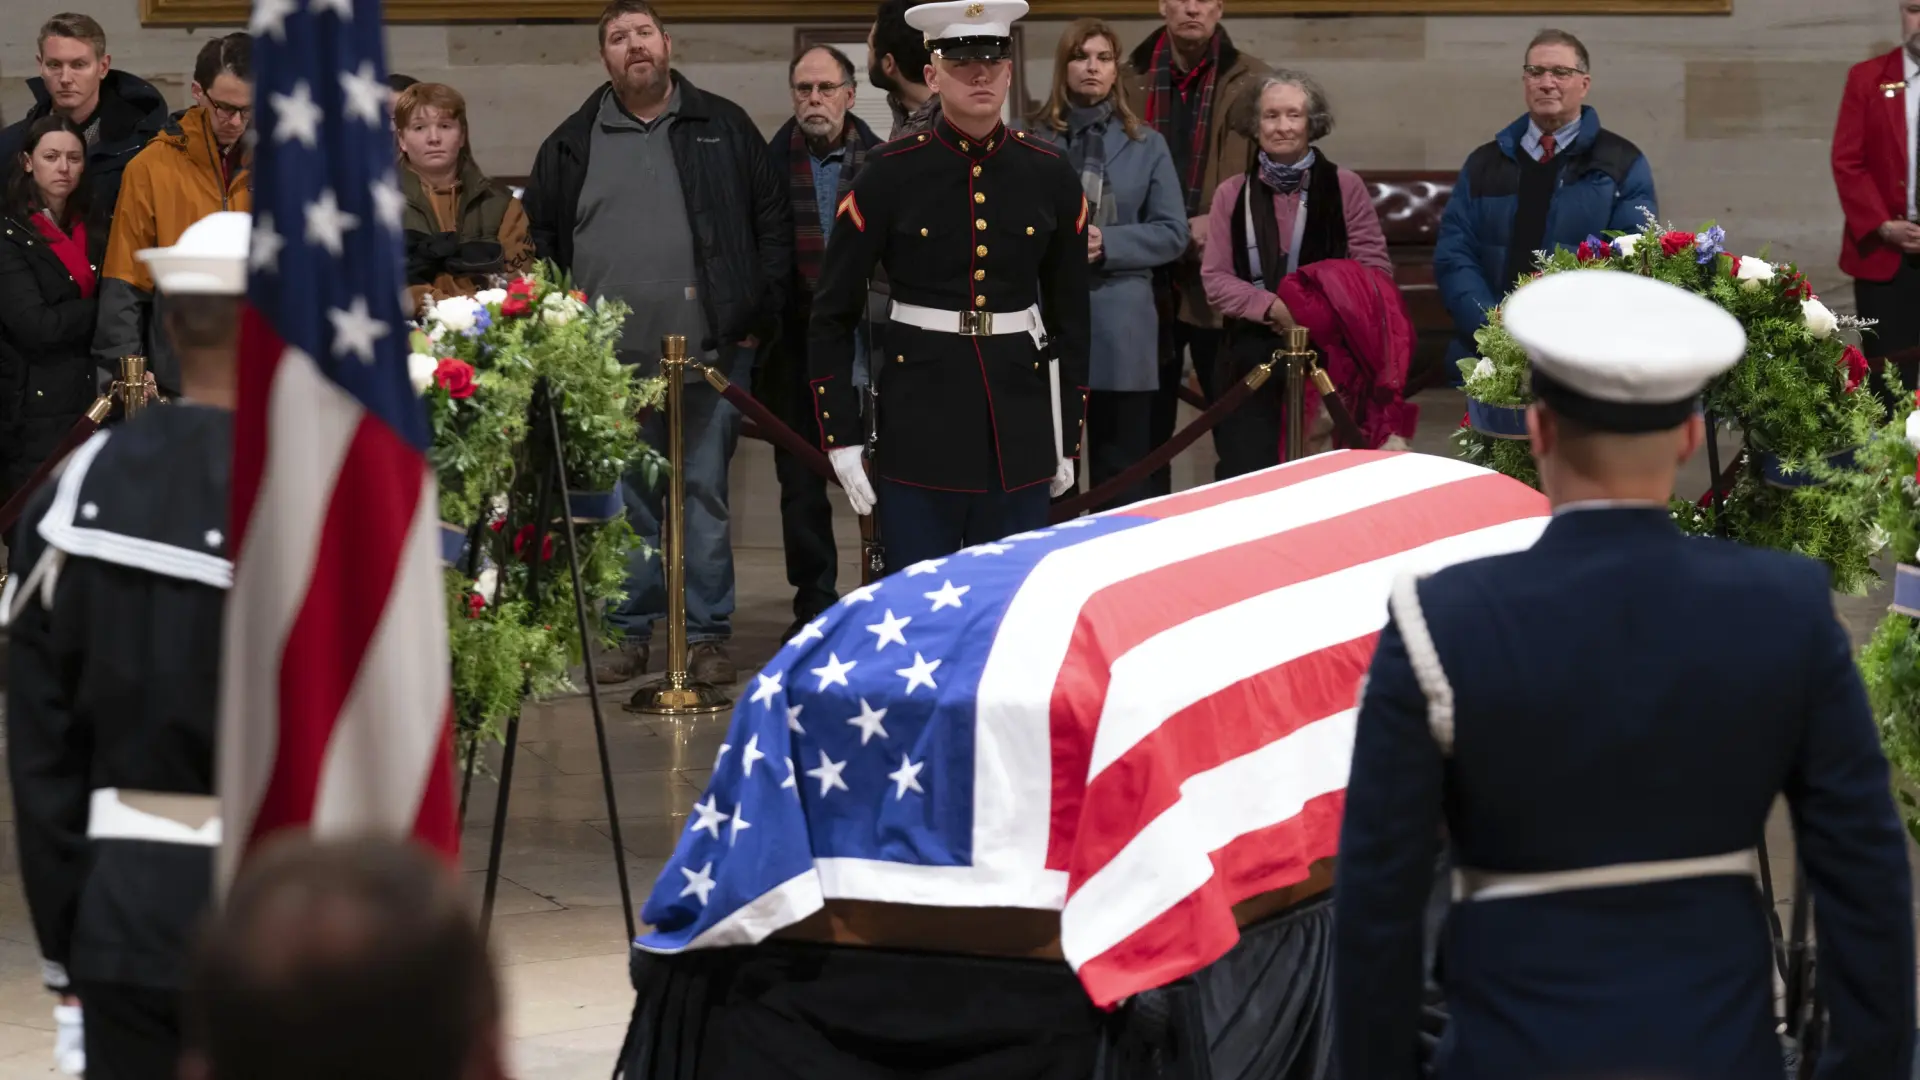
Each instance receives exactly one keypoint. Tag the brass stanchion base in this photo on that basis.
(673, 694)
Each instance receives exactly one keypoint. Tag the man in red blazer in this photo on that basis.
(1873, 167)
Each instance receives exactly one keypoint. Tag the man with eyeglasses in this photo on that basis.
(198, 165)
(820, 152)
(1549, 180)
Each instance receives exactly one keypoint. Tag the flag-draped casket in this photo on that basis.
(1137, 719)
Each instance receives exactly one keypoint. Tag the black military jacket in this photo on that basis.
(959, 225)
(114, 607)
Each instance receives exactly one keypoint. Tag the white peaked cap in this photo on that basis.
(209, 259)
(1619, 351)
(954, 28)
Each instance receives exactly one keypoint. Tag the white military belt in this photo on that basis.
(966, 323)
(1471, 884)
(160, 817)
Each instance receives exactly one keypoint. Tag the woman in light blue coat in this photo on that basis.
(1137, 222)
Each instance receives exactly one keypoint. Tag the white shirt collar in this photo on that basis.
(1607, 504)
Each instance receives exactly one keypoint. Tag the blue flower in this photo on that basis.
(1709, 244)
(482, 322)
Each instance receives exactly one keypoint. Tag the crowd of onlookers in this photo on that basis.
(1201, 163)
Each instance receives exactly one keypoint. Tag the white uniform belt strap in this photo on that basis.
(966, 323)
(1471, 884)
(156, 816)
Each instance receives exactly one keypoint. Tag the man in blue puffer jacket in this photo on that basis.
(1550, 179)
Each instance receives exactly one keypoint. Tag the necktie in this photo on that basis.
(1546, 148)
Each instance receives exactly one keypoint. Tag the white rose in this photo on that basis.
(456, 313)
(1820, 321)
(1876, 539)
(1483, 369)
(1753, 273)
(490, 297)
(1625, 244)
(420, 369)
(1913, 429)
(487, 584)
(559, 309)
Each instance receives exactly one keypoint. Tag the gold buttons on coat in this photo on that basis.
(829, 440)
(819, 389)
(923, 138)
(980, 223)
(899, 359)
(964, 146)
(1029, 230)
(979, 301)
(976, 170)
(979, 196)
(979, 275)
(826, 415)
(923, 232)
(981, 251)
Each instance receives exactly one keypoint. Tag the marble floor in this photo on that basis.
(558, 932)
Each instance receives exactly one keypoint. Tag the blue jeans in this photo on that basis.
(712, 430)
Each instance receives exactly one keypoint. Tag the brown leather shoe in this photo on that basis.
(708, 662)
(622, 663)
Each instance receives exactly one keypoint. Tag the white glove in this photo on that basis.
(846, 465)
(1062, 478)
(69, 1041)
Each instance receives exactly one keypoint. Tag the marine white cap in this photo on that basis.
(968, 29)
(1618, 351)
(209, 259)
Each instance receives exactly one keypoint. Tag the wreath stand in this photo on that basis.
(546, 452)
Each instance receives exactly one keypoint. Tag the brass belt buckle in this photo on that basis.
(976, 324)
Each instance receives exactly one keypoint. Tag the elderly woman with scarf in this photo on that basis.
(461, 226)
(1137, 222)
(1292, 209)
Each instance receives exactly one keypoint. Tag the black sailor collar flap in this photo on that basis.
(159, 508)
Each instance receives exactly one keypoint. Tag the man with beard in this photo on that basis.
(983, 234)
(1873, 156)
(897, 59)
(661, 195)
(820, 151)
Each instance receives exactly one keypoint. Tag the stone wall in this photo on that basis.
(1734, 111)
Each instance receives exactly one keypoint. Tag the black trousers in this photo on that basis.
(917, 524)
(1895, 305)
(132, 1032)
(1204, 344)
(1119, 433)
(806, 515)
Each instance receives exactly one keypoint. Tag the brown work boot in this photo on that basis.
(708, 662)
(621, 663)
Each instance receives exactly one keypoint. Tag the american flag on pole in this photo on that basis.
(335, 704)
(1138, 719)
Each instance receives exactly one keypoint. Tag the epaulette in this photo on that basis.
(910, 141)
(1023, 139)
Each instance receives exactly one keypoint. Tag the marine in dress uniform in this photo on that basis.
(982, 233)
(114, 607)
(1603, 763)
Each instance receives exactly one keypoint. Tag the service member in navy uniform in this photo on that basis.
(114, 607)
(983, 234)
(1601, 723)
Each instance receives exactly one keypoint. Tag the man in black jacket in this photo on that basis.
(119, 112)
(661, 195)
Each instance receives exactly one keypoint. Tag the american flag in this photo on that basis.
(1138, 719)
(335, 703)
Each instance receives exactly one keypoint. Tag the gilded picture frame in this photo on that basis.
(232, 12)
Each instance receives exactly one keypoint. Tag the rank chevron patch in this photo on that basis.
(851, 209)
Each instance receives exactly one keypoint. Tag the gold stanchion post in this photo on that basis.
(675, 693)
(1295, 417)
(132, 385)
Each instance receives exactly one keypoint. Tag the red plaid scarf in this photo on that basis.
(809, 233)
(1164, 117)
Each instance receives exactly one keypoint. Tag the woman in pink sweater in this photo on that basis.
(1267, 223)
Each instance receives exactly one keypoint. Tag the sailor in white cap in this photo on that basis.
(1600, 724)
(114, 610)
(982, 233)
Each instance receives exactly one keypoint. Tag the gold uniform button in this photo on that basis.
(829, 440)
(1029, 230)
(976, 172)
(826, 415)
(923, 138)
(964, 146)
(1019, 134)
(979, 301)
(980, 223)
(923, 232)
(819, 389)
(899, 359)
(981, 251)
(979, 275)
(979, 196)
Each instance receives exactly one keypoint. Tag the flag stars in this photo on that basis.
(355, 331)
(792, 778)
(264, 254)
(947, 596)
(327, 224)
(920, 674)
(869, 722)
(861, 595)
(270, 18)
(389, 205)
(829, 774)
(710, 818)
(767, 688)
(1028, 536)
(926, 567)
(699, 882)
(988, 549)
(888, 629)
(809, 632)
(722, 755)
(835, 672)
(750, 755)
(342, 8)
(906, 778)
(296, 116)
(365, 91)
(739, 822)
(793, 719)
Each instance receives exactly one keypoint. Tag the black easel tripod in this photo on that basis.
(546, 459)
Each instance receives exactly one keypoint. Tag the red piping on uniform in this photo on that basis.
(935, 487)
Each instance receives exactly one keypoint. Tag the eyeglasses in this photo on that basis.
(224, 111)
(1562, 74)
(805, 90)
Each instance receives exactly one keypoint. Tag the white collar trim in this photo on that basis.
(59, 531)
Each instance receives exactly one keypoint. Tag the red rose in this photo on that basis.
(525, 535)
(1673, 243)
(498, 525)
(455, 377)
(520, 287)
(1586, 253)
(475, 605)
(516, 307)
(1463, 419)
(578, 295)
(1733, 267)
(1855, 362)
